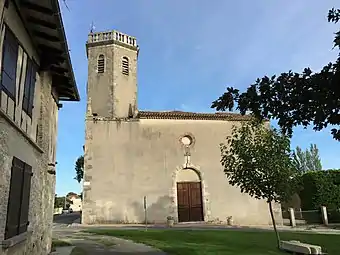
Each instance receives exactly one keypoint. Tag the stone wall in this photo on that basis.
(112, 94)
(35, 146)
(15, 143)
(127, 160)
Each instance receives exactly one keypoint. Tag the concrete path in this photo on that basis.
(63, 250)
(100, 245)
(204, 226)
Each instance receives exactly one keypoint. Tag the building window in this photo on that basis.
(101, 64)
(18, 200)
(125, 66)
(9, 63)
(30, 79)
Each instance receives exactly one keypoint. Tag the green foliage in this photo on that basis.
(258, 160)
(320, 188)
(59, 202)
(79, 167)
(293, 99)
(308, 160)
(299, 160)
(313, 158)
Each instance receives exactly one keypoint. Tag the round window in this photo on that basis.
(186, 140)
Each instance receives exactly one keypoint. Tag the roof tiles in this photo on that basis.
(180, 115)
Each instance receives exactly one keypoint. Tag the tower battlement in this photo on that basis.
(112, 36)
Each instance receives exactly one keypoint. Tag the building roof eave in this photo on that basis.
(44, 24)
(181, 115)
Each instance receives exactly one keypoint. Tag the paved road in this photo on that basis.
(66, 218)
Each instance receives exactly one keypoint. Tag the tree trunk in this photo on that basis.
(274, 224)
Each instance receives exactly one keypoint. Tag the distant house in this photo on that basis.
(76, 204)
(35, 76)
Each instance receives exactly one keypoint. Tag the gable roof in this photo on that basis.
(180, 115)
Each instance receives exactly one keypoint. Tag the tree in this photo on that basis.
(320, 188)
(293, 98)
(258, 160)
(299, 159)
(308, 160)
(59, 201)
(313, 158)
(79, 167)
(63, 201)
(71, 194)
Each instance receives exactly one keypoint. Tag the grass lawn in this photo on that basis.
(226, 242)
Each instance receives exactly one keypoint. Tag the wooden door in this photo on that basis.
(189, 200)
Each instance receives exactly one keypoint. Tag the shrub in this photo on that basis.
(320, 188)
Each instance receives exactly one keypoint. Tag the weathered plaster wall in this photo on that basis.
(111, 93)
(125, 161)
(33, 141)
(14, 143)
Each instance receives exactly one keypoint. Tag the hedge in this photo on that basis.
(320, 188)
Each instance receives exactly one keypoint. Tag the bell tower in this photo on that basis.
(112, 75)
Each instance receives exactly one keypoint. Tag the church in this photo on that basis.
(164, 162)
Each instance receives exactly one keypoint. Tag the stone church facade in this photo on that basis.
(172, 158)
(36, 76)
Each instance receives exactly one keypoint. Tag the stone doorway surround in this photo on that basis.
(173, 192)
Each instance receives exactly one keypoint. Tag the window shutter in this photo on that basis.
(32, 88)
(26, 190)
(9, 62)
(13, 209)
(25, 102)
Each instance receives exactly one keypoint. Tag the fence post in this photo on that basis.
(300, 211)
(292, 217)
(324, 215)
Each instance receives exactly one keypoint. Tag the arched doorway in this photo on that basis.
(189, 196)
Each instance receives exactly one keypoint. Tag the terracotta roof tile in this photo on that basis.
(179, 115)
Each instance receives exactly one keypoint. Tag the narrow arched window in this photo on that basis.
(125, 66)
(101, 64)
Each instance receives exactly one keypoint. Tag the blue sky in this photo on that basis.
(191, 50)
